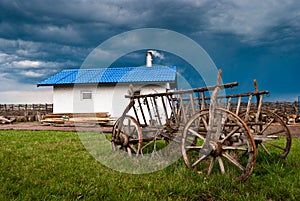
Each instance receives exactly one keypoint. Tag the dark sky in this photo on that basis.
(246, 39)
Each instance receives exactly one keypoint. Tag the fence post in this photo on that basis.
(26, 111)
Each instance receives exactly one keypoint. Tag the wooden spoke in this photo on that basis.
(129, 151)
(204, 122)
(222, 168)
(233, 161)
(267, 126)
(211, 165)
(230, 134)
(245, 149)
(133, 148)
(275, 145)
(265, 149)
(199, 160)
(196, 134)
(194, 147)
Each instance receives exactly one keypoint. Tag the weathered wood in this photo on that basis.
(259, 105)
(255, 85)
(182, 108)
(203, 105)
(174, 111)
(265, 138)
(229, 103)
(165, 110)
(142, 111)
(148, 107)
(25, 112)
(238, 105)
(241, 95)
(74, 118)
(5, 120)
(157, 110)
(203, 89)
(71, 115)
(192, 103)
(248, 108)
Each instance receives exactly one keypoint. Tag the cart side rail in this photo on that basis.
(187, 91)
(243, 102)
(172, 107)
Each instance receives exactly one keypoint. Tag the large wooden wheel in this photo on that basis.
(127, 135)
(270, 132)
(224, 139)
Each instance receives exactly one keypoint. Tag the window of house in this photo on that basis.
(86, 95)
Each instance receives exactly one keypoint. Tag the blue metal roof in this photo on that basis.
(112, 75)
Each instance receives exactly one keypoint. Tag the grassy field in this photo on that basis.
(49, 165)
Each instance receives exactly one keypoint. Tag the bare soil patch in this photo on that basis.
(38, 126)
(295, 130)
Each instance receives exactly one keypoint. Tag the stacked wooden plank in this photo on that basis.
(72, 119)
(5, 120)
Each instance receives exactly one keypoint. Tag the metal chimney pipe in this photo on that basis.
(149, 59)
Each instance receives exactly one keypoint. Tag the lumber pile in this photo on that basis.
(288, 111)
(5, 120)
(72, 119)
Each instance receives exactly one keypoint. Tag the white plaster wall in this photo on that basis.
(62, 99)
(68, 99)
(111, 99)
(84, 105)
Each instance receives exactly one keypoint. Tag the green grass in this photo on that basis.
(48, 165)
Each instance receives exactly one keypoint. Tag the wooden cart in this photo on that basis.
(211, 128)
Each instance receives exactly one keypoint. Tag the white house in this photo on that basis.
(104, 89)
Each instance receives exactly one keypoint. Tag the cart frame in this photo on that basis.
(208, 125)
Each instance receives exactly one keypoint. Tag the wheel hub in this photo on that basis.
(216, 148)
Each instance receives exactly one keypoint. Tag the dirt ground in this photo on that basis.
(294, 129)
(36, 126)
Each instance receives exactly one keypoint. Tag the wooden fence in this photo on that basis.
(25, 112)
(283, 108)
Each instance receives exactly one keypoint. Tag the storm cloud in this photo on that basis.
(39, 38)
